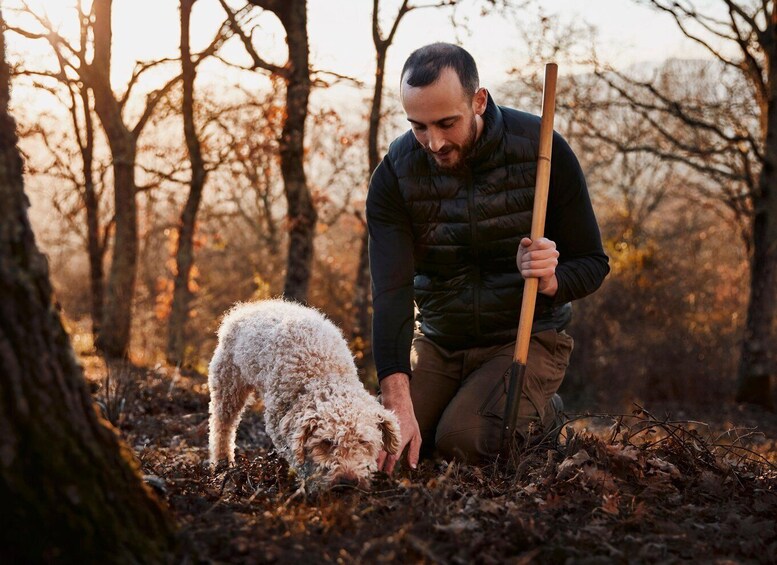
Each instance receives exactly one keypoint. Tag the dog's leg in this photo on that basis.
(228, 396)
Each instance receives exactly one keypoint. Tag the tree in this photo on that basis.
(70, 487)
(362, 318)
(301, 210)
(184, 257)
(123, 139)
(728, 135)
(248, 134)
(95, 73)
(87, 189)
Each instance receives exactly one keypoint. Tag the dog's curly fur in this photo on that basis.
(317, 413)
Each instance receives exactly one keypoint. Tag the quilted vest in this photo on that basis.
(466, 230)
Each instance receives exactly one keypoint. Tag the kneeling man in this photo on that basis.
(449, 214)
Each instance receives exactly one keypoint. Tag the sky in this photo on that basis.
(341, 42)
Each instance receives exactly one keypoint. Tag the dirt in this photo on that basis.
(697, 485)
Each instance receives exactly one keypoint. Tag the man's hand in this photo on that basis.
(539, 259)
(395, 393)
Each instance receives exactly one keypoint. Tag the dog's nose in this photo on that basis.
(345, 481)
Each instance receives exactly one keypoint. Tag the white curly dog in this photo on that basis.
(317, 413)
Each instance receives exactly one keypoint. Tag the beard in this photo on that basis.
(464, 151)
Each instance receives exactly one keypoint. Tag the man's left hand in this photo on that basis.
(539, 259)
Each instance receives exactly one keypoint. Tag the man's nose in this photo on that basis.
(436, 141)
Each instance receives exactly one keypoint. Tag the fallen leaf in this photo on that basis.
(610, 504)
(664, 466)
(458, 526)
(569, 465)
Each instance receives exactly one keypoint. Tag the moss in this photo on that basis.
(69, 509)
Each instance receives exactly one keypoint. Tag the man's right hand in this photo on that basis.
(395, 394)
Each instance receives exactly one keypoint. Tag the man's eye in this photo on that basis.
(446, 125)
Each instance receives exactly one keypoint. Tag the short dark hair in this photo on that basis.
(424, 65)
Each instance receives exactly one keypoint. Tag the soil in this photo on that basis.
(689, 485)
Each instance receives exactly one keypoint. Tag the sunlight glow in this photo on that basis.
(340, 38)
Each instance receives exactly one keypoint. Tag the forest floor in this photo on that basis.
(695, 486)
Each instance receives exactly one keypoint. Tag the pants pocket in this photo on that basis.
(564, 347)
(494, 399)
(548, 339)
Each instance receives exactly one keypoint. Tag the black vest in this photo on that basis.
(466, 230)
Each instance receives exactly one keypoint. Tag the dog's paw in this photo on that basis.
(220, 466)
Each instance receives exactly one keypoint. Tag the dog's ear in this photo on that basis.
(389, 427)
(304, 427)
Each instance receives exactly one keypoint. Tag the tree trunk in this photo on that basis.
(362, 323)
(302, 215)
(117, 315)
(95, 247)
(70, 489)
(185, 254)
(757, 361)
(363, 319)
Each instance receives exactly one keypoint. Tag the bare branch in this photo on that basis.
(26, 34)
(274, 6)
(162, 175)
(750, 65)
(338, 78)
(232, 65)
(674, 108)
(140, 68)
(152, 100)
(679, 11)
(52, 36)
(258, 62)
(222, 35)
(737, 9)
(651, 149)
(403, 9)
(58, 76)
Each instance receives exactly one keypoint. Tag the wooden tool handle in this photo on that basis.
(540, 208)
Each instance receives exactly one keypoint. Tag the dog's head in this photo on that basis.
(337, 442)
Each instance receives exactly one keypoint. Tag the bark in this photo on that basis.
(95, 247)
(115, 333)
(117, 314)
(752, 29)
(95, 243)
(757, 361)
(302, 215)
(70, 489)
(363, 314)
(185, 253)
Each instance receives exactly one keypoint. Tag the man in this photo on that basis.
(449, 213)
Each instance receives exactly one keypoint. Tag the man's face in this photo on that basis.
(446, 120)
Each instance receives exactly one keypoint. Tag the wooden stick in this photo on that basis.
(520, 356)
(540, 209)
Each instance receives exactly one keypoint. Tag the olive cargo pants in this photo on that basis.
(459, 396)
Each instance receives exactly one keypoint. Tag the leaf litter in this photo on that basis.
(641, 489)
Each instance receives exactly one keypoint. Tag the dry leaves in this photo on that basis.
(644, 490)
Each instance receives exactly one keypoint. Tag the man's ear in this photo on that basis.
(480, 101)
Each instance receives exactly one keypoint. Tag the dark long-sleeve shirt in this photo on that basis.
(570, 223)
